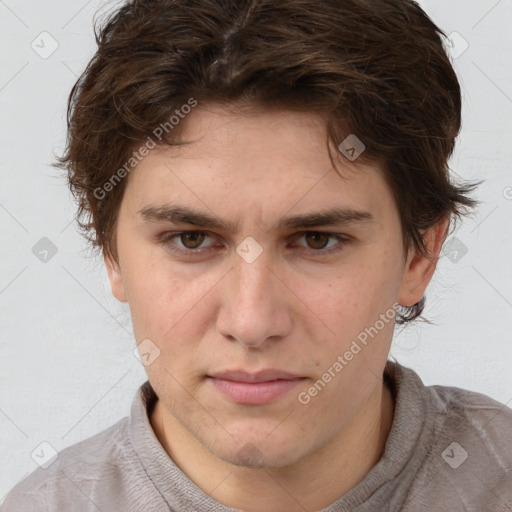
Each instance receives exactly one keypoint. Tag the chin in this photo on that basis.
(258, 452)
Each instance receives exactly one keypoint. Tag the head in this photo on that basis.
(236, 119)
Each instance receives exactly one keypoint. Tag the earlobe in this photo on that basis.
(115, 278)
(419, 269)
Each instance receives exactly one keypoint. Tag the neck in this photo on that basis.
(311, 484)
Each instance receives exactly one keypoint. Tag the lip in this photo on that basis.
(259, 388)
(265, 375)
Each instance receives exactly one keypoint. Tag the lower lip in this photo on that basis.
(255, 393)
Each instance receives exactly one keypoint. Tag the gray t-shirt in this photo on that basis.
(448, 450)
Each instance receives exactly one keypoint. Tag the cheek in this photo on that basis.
(166, 305)
(151, 294)
(156, 305)
(356, 295)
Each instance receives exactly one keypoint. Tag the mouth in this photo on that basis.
(260, 388)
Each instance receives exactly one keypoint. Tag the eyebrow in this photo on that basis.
(182, 214)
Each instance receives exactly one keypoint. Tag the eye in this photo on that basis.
(195, 243)
(192, 239)
(317, 240)
(185, 242)
(322, 243)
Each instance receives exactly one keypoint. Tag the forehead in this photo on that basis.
(266, 162)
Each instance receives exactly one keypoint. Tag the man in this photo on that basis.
(268, 183)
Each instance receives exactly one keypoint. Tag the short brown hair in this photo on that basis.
(376, 69)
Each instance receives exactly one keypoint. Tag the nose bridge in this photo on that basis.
(254, 285)
(253, 308)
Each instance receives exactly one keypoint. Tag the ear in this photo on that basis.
(115, 278)
(418, 270)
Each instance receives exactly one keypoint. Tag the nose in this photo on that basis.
(255, 307)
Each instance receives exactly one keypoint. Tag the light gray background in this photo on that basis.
(67, 369)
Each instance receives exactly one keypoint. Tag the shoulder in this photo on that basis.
(77, 469)
(473, 414)
(458, 412)
(470, 457)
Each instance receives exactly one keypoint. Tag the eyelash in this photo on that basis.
(166, 240)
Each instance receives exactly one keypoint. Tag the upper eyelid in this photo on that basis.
(171, 234)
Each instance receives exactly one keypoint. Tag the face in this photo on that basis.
(255, 269)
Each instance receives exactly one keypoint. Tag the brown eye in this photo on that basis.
(192, 240)
(317, 240)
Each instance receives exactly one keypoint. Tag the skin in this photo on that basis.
(294, 308)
